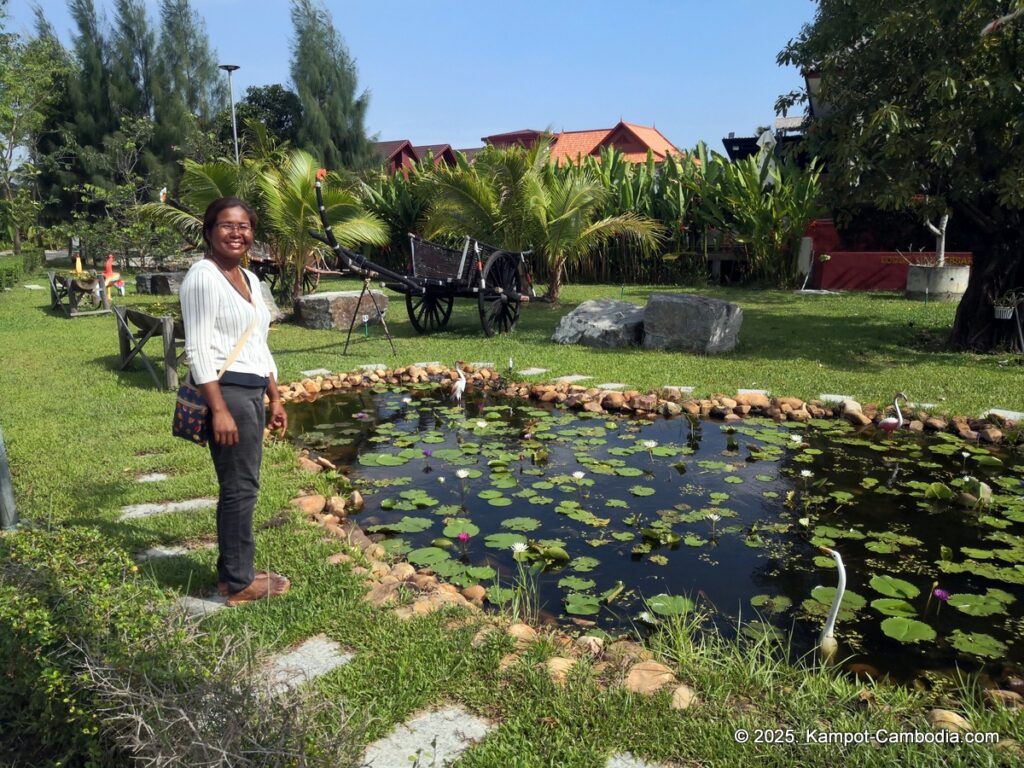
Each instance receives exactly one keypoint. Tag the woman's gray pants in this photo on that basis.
(238, 474)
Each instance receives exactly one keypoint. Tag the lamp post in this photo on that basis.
(229, 68)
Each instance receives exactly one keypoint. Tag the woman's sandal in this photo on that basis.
(263, 586)
(222, 586)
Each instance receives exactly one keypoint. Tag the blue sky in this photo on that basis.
(451, 71)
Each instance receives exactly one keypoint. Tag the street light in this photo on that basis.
(229, 68)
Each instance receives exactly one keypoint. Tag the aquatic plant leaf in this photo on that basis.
(581, 604)
(907, 630)
(851, 600)
(460, 525)
(891, 606)
(890, 586)
(629, 471)
(500, 501)
(670, 605)
(503, 540)
(481, 572)
(881, 547)
(405, 525)
(427, 556)
(584, 564)
(976, 605)
(771, 603)
(642, 490)
(521, 524)
(575, 583)
(977, 643)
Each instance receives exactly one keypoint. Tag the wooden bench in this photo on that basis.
(67, 292)
(134, 331)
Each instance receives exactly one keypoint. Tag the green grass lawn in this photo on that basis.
(79, 431)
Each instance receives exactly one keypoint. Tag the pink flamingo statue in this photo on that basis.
(891, 423)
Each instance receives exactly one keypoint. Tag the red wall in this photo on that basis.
(873, 270)
(864, 270)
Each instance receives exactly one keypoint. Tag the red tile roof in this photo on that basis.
(573, 145)
(631, 140)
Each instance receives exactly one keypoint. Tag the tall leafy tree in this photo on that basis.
(132, 60)
(91, 117)
(923, 110)
(28, 72)
(324, 75)
(276, 108)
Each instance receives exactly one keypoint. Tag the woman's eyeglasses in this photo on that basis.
(228, 226)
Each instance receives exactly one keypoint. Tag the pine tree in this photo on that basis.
(188, 66)
(91, 118)
(132, 64)
(324, 75)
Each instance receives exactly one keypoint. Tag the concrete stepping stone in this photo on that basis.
(372, 367)
(626, 760)
(678, 389)
(158, 551)
(835, 398)
(198, 607)
(425, 364)
(152, 477)
(923, 406)
(1011, 415)
(612, 385)
(434, 738)
(532, 371)
(316, 656)
(32, 287)
(316, 372)
(133, 511)
(485, 364)
(752, 392)
(574, 378)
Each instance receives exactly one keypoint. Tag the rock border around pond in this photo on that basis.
(668, 402)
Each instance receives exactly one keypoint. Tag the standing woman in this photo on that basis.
(221, 303)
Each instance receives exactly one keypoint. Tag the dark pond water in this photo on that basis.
(731, 518)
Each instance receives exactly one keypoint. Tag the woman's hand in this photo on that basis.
(225, 431)
(278, 418)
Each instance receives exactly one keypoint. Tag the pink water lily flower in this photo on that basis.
(463, 537)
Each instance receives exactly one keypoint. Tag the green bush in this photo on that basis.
(64, 593)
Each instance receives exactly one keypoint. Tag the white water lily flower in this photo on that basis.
(579, 475)
(462, 474)
(406, 400)
(796, 438)
(646, 617)
(481, 424)
(440, 479)
(965, 454)
(649, 444)
(806, 473)
(714, 518)
(519, 547)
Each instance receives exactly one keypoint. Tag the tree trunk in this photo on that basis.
(997, 266)
(555, 283)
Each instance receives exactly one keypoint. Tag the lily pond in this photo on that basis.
(626, 522)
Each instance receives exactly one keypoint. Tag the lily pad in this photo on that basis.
(907, 630)
(976, 605)
(521, 524)
(460, 525)
(890, 586)
(891, 606)
(771, 603)
(977, 643)
(670, 605)
(429, 556)
(581, 604)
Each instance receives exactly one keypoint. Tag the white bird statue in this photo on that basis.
(827, 645)
(999, 21)
(459, 388)
(163, 195)
(892, 423)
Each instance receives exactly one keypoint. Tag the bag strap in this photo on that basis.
(238, 347)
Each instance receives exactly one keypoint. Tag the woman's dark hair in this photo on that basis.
(222, 204)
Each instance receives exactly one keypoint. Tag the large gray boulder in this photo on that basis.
(335, 310)
(159, 283)
(691, 323)
(276, 315)
(603, 323)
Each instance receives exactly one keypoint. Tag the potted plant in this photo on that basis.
(935, 279)
(1004, 303)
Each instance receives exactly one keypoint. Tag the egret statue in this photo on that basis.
(459, 388)
(892, 423)
(827, 645)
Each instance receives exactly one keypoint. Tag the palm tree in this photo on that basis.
(289, 210)
(517, 199)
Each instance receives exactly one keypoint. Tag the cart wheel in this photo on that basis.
(500, 296)
(429, 312)
(310, 281)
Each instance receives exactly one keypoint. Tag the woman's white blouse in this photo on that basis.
(216, 316)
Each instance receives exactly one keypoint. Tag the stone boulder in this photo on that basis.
(603, 323)
(159, 283)
(276, 315)
(336, 309)
(691, 323)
